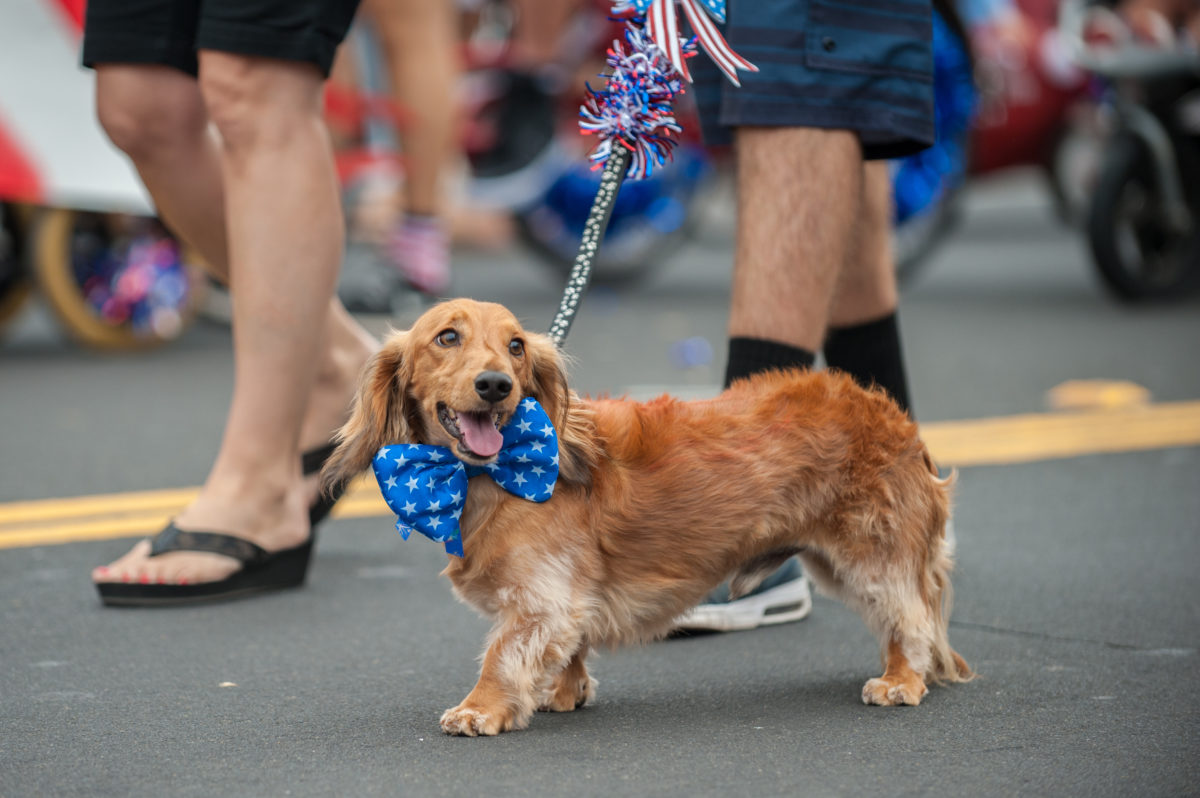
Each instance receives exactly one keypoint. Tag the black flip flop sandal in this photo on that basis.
(261, 570)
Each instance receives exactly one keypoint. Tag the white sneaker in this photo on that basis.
(783, 597)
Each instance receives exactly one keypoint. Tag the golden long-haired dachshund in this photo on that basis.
(657, 503)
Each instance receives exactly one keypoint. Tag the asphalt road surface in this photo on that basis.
(1076, 591)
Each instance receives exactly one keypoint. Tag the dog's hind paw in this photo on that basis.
(568, 694)
(884, 693)
(464, 721)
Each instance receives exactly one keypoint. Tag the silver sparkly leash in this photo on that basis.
(589, 245)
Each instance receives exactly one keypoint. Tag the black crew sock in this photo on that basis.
(871, 354)
(749, 356)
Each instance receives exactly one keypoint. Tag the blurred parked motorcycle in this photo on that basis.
(1143, 220)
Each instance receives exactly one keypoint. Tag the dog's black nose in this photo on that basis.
(493, 386)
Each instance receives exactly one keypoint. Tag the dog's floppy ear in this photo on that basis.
(549, 375)
(380, 415)
(571, 418)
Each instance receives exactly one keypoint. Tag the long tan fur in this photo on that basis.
(659, 502)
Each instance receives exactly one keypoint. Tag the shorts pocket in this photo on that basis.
(870, 37)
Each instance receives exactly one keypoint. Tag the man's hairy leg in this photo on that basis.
(799, 193)
(866, 289)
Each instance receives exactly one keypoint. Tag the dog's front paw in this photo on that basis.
(570, 692)
(465, 721)
(885, 693)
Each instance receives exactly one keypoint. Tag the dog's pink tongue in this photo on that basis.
(480, 434)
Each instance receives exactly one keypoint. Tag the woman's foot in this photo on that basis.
(265, 506)
(270, 518)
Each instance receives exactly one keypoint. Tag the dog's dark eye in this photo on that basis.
(516, 347)
(447, 338)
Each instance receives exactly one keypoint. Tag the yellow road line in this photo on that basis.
(50, 521)
(168, 501)
(1050, 436)
(989, 441)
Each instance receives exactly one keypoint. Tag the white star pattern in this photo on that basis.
(519, 479)
(409, 507)
(382, 453)
(412, 484)
(391, 481)
(401, 460)
(547, 431)
(537, 446)
(525, 425)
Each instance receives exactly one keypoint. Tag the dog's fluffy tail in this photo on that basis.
(945, 663)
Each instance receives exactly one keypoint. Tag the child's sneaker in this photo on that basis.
(419, 249)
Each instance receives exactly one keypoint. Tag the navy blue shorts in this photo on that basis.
(864, 66)
(169, 32)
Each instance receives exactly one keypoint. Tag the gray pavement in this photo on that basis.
(1076, 594)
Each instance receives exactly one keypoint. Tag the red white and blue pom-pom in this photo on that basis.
(635, 109)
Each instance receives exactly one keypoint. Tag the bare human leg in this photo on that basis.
(799, 192)
(420, 47)
(864, 335)
(419, 44)
(282, 254)
(866, 289)
(157, 116)
(799, 197)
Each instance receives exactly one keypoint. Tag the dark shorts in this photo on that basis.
(169, 32)
(864, 66)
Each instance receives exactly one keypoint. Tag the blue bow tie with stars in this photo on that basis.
(425, 486)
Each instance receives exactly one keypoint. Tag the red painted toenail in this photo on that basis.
(183, 581)
(145, 580)
(103, 569)
(126, 578)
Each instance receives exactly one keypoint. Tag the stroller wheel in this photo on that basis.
(115, 282)
(1139, 255)
(15, 285)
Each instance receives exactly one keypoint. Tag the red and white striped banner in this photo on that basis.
(663, 26)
